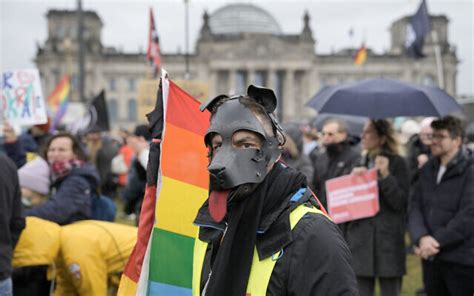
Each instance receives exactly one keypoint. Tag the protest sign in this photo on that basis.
(21, 98)
(353, 197)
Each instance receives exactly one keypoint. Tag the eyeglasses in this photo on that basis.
(437, 137)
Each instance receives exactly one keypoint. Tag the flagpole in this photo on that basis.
(186, 39)
(80, 52)
(439, 62)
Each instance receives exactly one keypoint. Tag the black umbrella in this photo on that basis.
(384, 98)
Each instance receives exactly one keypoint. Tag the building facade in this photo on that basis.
(238, 44)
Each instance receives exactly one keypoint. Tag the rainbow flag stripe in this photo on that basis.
(59, 100)
(181, 189)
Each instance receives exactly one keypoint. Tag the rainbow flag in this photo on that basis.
(360, 56)
(177, 185)
(59, 100)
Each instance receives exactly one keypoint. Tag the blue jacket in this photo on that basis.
(71, 200)
(446, 210)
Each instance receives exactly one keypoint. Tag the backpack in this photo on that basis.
(103, 208)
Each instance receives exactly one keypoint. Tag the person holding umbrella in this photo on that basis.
(377, 243)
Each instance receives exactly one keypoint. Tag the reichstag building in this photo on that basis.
(238, 44)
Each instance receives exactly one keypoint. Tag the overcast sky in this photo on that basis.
(23, 23)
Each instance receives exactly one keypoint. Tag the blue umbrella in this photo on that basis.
(384, 98)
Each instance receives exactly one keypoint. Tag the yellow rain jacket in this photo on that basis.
(91, 252)
(38, 243)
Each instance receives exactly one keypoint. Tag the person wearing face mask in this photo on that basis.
(337, 159)
(377, 243)
(262, 231)
(74, 180)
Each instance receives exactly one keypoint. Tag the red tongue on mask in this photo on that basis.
(218, 204)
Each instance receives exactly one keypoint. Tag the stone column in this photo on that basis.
(232, 77)
(289, 95)
(272, 79)
(212, 83)
(250, 76)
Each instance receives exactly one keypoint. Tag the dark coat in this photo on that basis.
(16, 152)
(316, 261)
(134, 192)
(71, 200)
(303, 164)
(415, 148)
(446, 210)
(332, 164)
(12, 221)
(106, 153)
(377, 243)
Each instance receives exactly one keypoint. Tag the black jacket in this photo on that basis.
(71, 201)
(333, 163)
(317, 261)
(415, 148)
(377, 243)
(446, 210)
(12, 221)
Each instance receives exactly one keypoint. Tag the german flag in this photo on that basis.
(177, 186)
(361, 56)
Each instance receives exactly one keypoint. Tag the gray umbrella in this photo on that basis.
(384, 98)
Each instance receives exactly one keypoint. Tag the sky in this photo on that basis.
(23, 25)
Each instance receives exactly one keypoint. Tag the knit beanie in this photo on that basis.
(34, 175)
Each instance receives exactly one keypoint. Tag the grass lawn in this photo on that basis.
(412, 280)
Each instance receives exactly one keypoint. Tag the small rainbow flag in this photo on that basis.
(177, 186)
(59, 100)
(360, 56)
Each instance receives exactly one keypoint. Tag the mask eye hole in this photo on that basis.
(215, 142)
(244, 139)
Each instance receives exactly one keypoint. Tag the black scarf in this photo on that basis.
(232, 263)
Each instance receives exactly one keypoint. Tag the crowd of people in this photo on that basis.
(71, 183)
(425, 188)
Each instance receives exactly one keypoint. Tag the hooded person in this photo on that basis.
(262, 231)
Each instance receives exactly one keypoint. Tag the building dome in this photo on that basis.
(243, 18)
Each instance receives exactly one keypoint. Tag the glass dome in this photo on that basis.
(243, 18)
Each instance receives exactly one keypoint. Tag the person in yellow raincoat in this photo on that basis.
(37, 249)
(91, 252)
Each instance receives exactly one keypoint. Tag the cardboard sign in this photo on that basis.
(353, 197)
(21, 99)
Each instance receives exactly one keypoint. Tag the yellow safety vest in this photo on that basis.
(260, 271)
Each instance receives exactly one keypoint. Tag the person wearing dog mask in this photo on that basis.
(262, 231)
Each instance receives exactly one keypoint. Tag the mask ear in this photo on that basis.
(210, 104)
(264, 96)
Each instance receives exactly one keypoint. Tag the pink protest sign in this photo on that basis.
(353, 197)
